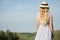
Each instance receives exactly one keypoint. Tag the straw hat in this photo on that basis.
(44, 4)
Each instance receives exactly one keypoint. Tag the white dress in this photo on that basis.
(43, 32)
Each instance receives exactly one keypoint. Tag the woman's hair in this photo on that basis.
(44, 15)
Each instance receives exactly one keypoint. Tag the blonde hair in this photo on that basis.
(44, 15)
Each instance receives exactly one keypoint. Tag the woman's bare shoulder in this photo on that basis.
(37, 15)
(51, 16)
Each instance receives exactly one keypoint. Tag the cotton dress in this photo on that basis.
(43, 32)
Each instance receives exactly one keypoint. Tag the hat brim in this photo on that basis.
(44, 6)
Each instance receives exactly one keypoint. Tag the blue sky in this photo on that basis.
(19, 15)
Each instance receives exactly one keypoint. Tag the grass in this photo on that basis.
(31, 36)
(57, 35)
(27, 36)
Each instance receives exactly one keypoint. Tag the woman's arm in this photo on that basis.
(51, 24)
(37, 23)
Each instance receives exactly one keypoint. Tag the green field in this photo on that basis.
(31, 36)
(57, 35)
(23, 36)
(27, 36)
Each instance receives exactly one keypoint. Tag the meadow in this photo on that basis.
(23, 36)
(31, 36)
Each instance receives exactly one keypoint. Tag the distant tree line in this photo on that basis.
(8, 35)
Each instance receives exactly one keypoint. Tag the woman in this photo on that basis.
(44, 22)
